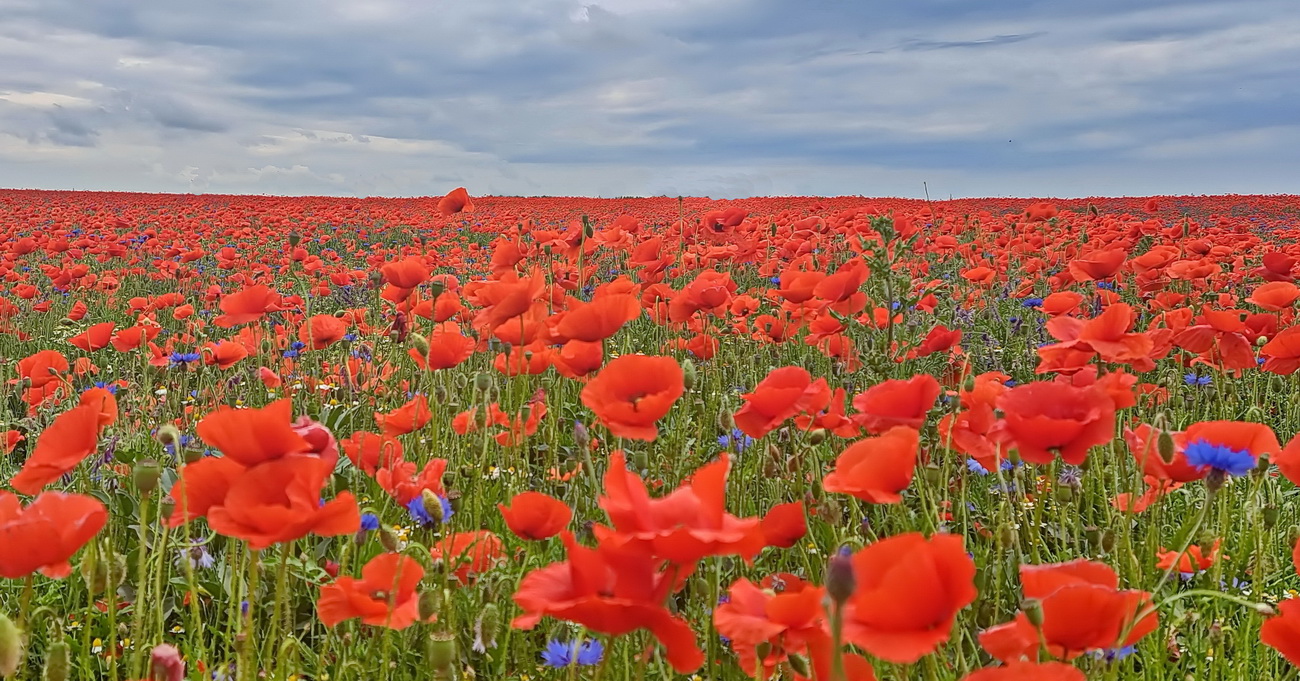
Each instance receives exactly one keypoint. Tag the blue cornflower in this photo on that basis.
(559, 654)
(736, 438)
(1106, 285)
(1114, 654)
(1031, 302)
(421, 516)
(369, 521)
(1222, 458)
(1193, 379)
(182, 358)
(111, 388)
(975, 467)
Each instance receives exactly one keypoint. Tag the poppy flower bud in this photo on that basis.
(1006, 536)
(1270, 515)
(641, 461)
(440, 394)
(12, 647)
(688, 373)
(294, 239)
(800, 666)
(436, 288)
(432, 505)
(1107, 540)
(168, 435)
(726, 420)
(1166, 447)
(840, 580)
(1033, 609)
(762, 649)
(487, 625)
(166, 663)
(580, 435)
(442, 652)
(933, 475)
(1261, 467)
(1064, 493)
(419, 342)
(430, 603)
(58, 662)
(388, 539)
(817, 436)
(145, 475)
(1265, 609)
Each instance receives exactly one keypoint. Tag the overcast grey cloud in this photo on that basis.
(723, 98)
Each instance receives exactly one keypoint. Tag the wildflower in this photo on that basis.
(559, 654)
(1204, 454)
(421, 515)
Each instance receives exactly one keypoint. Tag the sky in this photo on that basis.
(719, 98)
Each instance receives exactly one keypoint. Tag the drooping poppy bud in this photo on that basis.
(12, 648)
(58, 662)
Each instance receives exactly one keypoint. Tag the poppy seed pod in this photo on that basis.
(166, 507)
(12, 648)
(482, 382)
(145, 475)
(442, 652)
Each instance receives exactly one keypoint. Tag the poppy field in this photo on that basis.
(558, 438)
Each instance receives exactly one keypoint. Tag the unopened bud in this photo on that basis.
(1270, 514)
(1165, 445)
(800, 665)
(419, 342)
(817, 436)
(168, 435)
(1108, 541)
(840, 580)
(432, 505)
(1265, 609)
(440, 395)
(688, 373)
(58, 662)
(726, 420)
(1033, 609)
(388, 539)
(489, 623)
(430, 604)
(12, 647)
(294, 239)
(580, 435)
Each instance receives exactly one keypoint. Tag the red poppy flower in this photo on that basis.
(908, 593)
(599, 319)
(280, 501)
(1043, 419)
(896, 403)
(533, 515)
(1028, 671)
(791, 622)
(371, 451)
(470, 554)
(248, 305)
(409, 417)
(783, 393)
(456, 201)
(66, 442)
(784, 525)
(876, 469)
(613, 589)
(44, 536)
(633, 392)
(688, 524)
(322, 330)
(95, 338)
(1083, 609)
(403, 483)
(384, 596)
(1282, 633)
